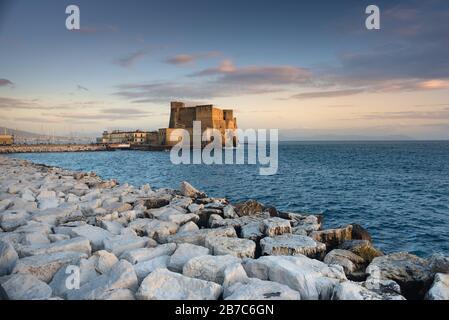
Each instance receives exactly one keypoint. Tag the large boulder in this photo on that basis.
(143, 254)
(238, 286)
(348, 260)
(95, 235)
(187, 190)
(348, 290)
(105, 261)
(440, 288)
(313, 279)
(184, 253)
(12, 219)
(240, 248)
(291, 245)
(198, 237)
(302, 224)
(144, 268)
(119, 244)
(78, 244)
(52, 216)
(332, 238)
(439, 263)
(360, 233)
(45, 266)
(409, 271)
(8, 258)
(249, 208)
(362, 248)
(66, 275)
(26, 287)
(121, 276)
(275, 226)
(369, 290)
(163, 284)
(210, 268)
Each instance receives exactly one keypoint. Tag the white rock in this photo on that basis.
(121, 276)
(44, 267)
(251, 231)
(348, 260)
(292, 244)
(52, 215)
(64, 275)
(58, 237)
(194, 207)
(184, 253)
(275, 226)
(183, 202)
(256, 289)
(105, 262)
(348, 290)
(313, 279)
(46, 194)
(440, 288)
(48, 203)
(26, 287)
(188, 190)
(166, 285)
(198, 237)
(143, 254)
(209, 268)
(95, 235)
(12, 219)
(229, 212)
(112, 226)
(119, 244)
(188, 227)
(78, 244)
(8, 258)
(37, 238)
(240, 248)
(5, 204)
(143, 269)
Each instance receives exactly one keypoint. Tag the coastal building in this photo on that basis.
(182, 117)
(6, 140)
(129, 137)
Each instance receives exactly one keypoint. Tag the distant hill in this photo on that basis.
(19, 133)
(31, 137)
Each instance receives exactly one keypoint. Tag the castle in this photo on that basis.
(181, 117)
(211, 117)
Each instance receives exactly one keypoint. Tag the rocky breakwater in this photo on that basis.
(72, 235)
(41, 148)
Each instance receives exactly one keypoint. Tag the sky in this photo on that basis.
(310, 69)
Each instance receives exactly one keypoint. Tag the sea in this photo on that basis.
(399, 191)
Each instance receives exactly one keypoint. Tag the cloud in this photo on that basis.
(228, 73)
(190, 58)
(131, 59)
(327, 94)
(81, 88)
(409, 115)
(13, 103)
(6, 83)
(181, 59)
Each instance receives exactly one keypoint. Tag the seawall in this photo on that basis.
(39, 148)
(142, 243)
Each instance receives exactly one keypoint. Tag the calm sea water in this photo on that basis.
(398, 190)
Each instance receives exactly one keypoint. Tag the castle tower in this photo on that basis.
(175, 106)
